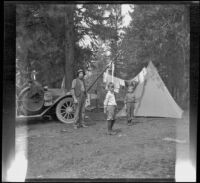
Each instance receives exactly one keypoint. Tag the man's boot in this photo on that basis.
(82, 124)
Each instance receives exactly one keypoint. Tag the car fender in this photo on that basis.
(62, 97)
(22, 91)
(57, 101)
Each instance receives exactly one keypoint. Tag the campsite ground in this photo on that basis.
(56, 150)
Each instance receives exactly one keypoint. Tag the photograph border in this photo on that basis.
(8, 73)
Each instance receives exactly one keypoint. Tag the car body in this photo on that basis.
(32, 104)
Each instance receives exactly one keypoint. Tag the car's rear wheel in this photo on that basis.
(31, 105)
(65, 110)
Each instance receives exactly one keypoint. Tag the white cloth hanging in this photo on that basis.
(140, 77)
(63, 83)
(93, 96)
(87, 102)
(105, 74)
(122, 82)
(117, 82)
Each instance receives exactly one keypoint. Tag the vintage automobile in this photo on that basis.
(37, 101)
(34, 100)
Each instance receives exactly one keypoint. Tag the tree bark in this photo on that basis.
(69, 45)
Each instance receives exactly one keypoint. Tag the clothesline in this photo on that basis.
(116, 78)
(121, 82)
(137, 78)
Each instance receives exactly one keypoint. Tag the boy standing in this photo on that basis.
(130, 101)
(110, 108)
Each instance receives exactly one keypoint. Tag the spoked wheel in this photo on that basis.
(65, 110)
(31, 104)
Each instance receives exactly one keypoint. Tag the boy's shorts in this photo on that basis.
(111, 112)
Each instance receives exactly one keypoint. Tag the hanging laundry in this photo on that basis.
(63, 83)
(87, 102)
(117, 82)
(122, 82)
(93, 96)
(140, 77)
(105, 74)
(113, 68)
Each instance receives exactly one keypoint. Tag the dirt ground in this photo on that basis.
(56, 150)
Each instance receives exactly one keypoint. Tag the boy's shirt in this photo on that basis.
(110, 99)
(129, 98)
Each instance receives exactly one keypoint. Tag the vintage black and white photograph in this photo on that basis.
(102, 91)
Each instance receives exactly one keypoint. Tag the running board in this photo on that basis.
(32, 116)
(25, 117)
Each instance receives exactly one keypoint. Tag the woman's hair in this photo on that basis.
(80, 70)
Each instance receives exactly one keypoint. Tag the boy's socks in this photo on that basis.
(112, 123)
(109, 125)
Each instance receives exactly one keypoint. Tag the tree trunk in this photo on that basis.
(69, 45)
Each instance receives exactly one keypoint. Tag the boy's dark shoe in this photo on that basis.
(129, 122)
(133, 122)
(112, 133)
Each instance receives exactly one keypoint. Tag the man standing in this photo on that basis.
(79, 96)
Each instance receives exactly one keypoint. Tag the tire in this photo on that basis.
(24, 105)
(65, 110)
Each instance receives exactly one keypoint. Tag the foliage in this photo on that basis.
(42, 40)
(51, 38)
(159, 33)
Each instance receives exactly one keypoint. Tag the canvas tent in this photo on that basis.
(140, 77)
(155, 99)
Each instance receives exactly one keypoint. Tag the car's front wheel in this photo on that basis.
(65, 110)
